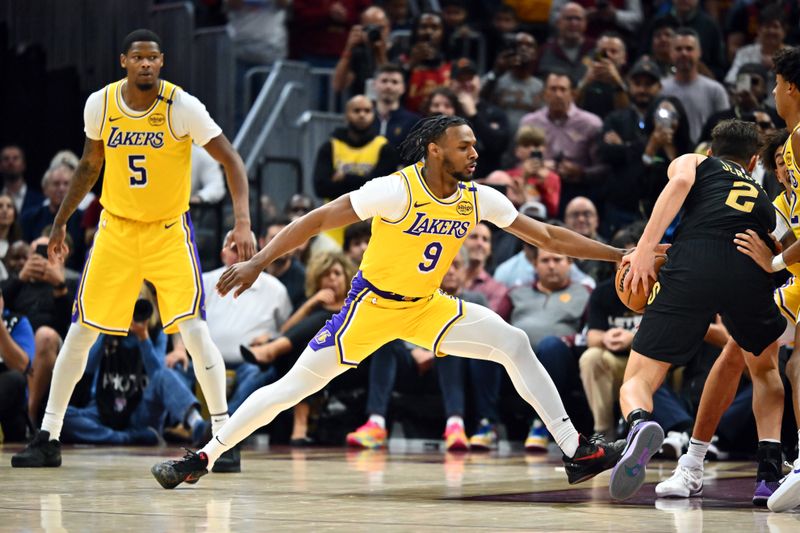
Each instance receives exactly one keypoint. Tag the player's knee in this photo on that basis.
(793, 369)
(47, 341)
(515, 344)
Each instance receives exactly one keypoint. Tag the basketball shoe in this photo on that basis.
(370, 436)
(191, 468)
(592, 457)
(538, 437)
(787, 495)
(485, 438)
(229, 462)
(684, 482)
(644, 440)
(768, 475)
(40, 452)
(455, 440)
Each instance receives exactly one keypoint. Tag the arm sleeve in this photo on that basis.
(190, 117)
(93, 114)
(495, 207)
(386, 197)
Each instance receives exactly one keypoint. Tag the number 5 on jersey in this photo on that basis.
(136, 166)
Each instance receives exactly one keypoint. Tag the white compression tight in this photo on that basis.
(480, 334)
(69, 367)
(209, 368)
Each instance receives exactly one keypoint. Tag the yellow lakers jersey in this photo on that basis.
(787, 207)
(791, 165)
(411, 255)
(358, 160)
(148, 168)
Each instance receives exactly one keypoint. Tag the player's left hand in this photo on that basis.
(750, 244)
(239, 276)
(241, 239)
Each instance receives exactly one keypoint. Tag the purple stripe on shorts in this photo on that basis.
(327, 335)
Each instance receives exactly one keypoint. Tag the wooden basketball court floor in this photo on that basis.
(334, 489)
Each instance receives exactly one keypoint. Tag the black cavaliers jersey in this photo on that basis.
(723, 201)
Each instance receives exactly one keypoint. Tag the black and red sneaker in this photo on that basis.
(592, 457)
(192, 467)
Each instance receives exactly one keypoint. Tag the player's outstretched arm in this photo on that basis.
(82, 182)
(681, 173)
(235, 174)
(335, 214)
(562, 240)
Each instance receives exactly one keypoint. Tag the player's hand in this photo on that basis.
(56, 249)
(642, 263)
(177, 357)
(324, 297)
(139, 330)
(752, 245)
(239, 276)
(241, 240)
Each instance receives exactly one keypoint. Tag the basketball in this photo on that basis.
(636, 302)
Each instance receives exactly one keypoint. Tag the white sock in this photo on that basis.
(455, 419)
(696, 455)
(70, 364)
(378, 420)
(209, 368)
(565, 435)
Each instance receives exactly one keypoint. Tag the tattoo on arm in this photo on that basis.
(83, 180)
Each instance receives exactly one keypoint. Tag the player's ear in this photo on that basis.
(708, 152)
(434, 149)
(122, 60)
(752, 164)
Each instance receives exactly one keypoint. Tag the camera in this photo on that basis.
(142, 311)
(373, 32)
(665, 118)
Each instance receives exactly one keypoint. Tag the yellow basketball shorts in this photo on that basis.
(370, 318)
(787, 297)
(126, 252)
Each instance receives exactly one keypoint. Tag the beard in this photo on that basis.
(449, 167)
(145, 86)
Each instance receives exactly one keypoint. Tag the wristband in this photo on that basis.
(778, 263)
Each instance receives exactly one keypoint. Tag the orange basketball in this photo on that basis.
(636, 302)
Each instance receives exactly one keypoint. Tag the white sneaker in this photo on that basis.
(684, 483)
(675, 443)
(787, 495)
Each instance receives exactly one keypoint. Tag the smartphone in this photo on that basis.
(600, 55)
(41, 249)
(743, 83)
(536, 154)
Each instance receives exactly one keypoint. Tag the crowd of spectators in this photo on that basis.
(578, 109)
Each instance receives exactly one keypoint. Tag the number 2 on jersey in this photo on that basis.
(432, 254)
(740, 190)
(139, 179)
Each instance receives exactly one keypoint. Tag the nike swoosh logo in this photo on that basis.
(420, 204)
(210, 367)
(167, 226)
(112, 119)
(596, 455)
(565, 419)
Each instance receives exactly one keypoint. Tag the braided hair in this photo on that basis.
(426, 130)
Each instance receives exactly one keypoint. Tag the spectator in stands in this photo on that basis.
(208, 181)
(16, 257)
(691, 16)
(572, 136)
(749, 97)
(745, 22)
(701, 96)
(298, 205)
(478, 246)
(581, 216)
(772, 26)
(134, 392)
(368, 48)
(399, 14)
(391, 119)
(567, 51)
(623, 143)
(12, 172)
(55, 184)
(504, 24)
(425, 62)
(488, 121)
(603, 89)
(44, 294)
(320, 29)
(356, 238)
(623, 16)
(551, 312)
(398, 365)
(10, 230)
(16, 354)
(667, 128)
(511, 85)
(327, 284)
(287, 269)
(461, 38)
(442, 101)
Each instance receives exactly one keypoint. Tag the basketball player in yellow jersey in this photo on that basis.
(142, 127)
(420, 218)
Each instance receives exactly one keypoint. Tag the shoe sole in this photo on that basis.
(787, 495)
(628, 475)
(226, 469)
(169, 479)
(673, 496)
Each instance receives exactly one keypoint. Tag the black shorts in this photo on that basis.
(700, 279)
